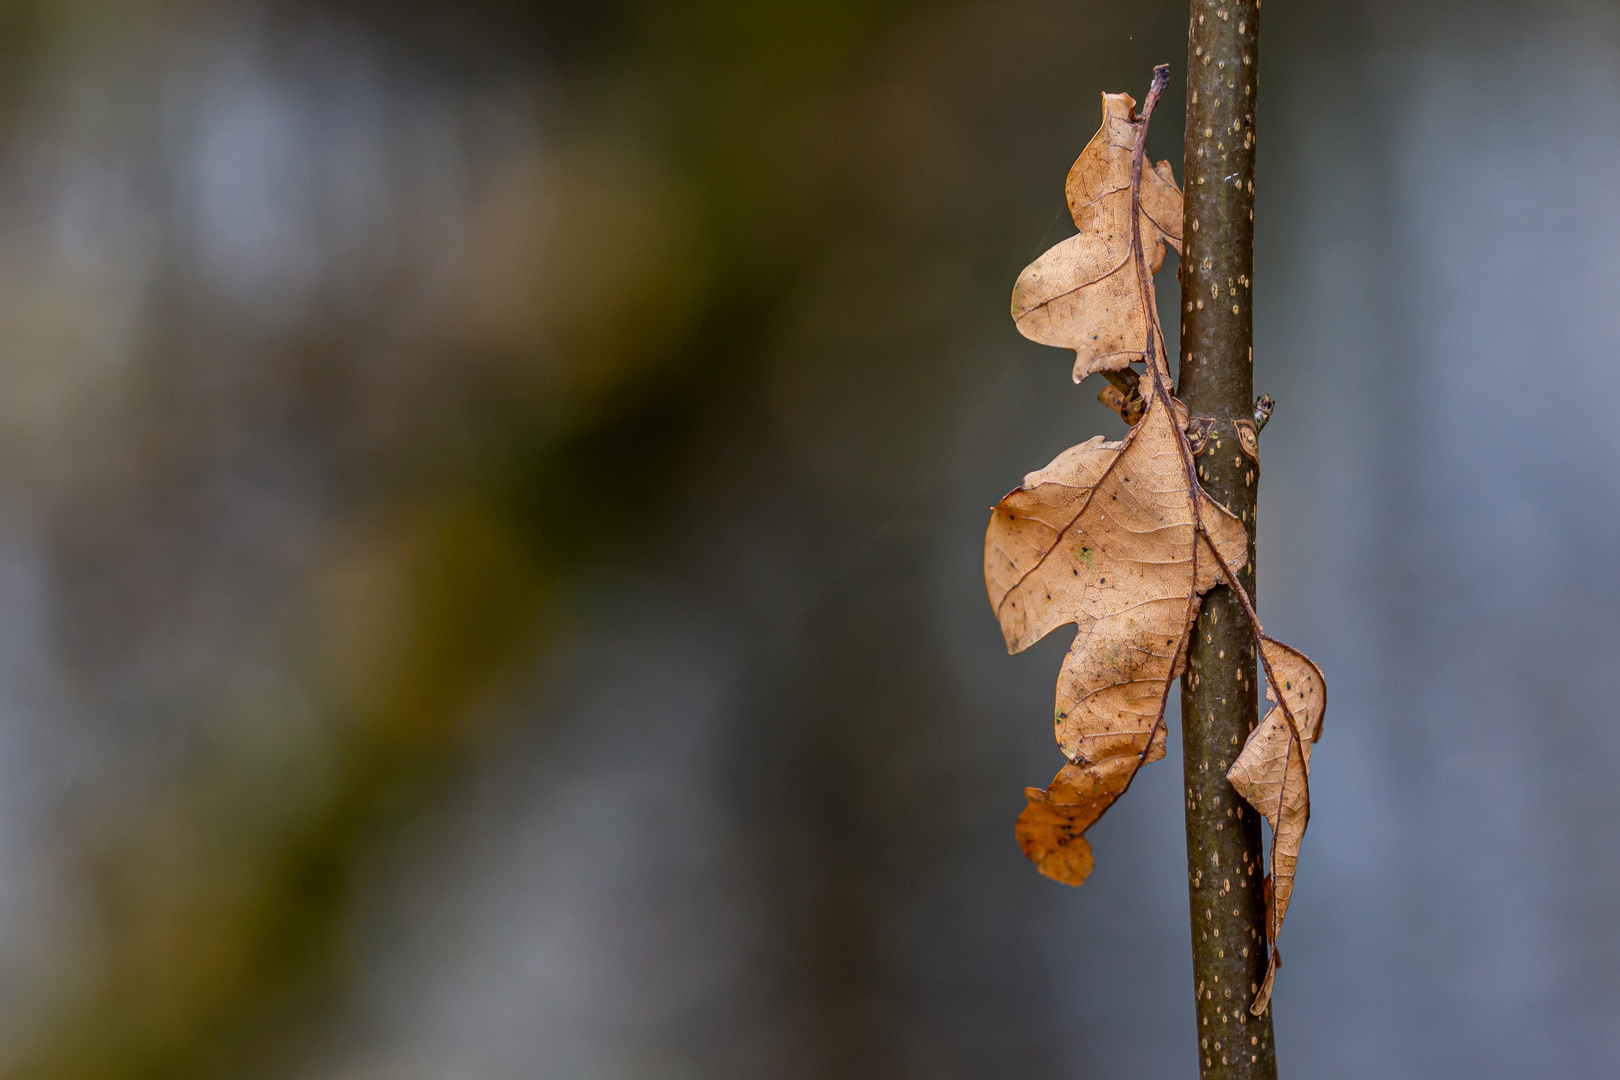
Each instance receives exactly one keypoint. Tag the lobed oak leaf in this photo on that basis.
(1114, 538)
(1120, 539)
(1084, 293)
(1273, 774)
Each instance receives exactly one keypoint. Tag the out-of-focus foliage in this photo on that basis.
(341, 338)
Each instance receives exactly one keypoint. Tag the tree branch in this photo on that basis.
(1219, 691)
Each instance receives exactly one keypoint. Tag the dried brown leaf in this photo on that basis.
(1106, 538)
(1273, 773)
(1084, 293)
(1120, 539)
(1050, 828)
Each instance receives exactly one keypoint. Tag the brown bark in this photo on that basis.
(1218, 696)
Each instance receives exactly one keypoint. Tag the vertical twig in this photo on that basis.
(1218, 694)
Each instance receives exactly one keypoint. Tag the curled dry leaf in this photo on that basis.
(1273, 772)
(1107, 537)
(1084, 293)
(1051, 828)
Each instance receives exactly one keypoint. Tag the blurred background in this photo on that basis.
(491, 501)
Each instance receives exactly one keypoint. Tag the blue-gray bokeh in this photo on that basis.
(702, 846)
